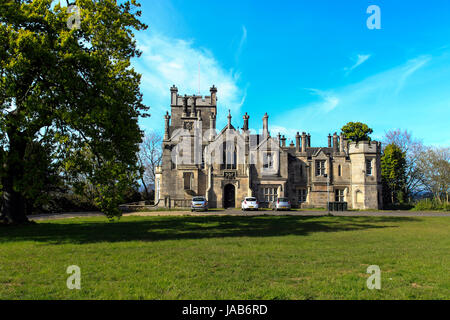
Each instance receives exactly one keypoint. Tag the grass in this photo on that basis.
(227, 257)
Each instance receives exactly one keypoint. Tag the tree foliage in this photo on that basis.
(393, 174)
(72, 91)
(434, 164)
(412, 149)
(356, 131)
(150, 156)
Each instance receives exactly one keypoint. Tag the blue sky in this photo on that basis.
(311, 65)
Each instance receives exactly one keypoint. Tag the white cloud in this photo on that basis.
(166, 61)
(360, 59)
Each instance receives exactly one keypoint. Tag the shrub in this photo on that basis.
(432, 204)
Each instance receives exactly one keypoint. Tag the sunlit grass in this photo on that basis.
(227, 257)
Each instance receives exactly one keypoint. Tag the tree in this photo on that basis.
(412, 149)
(434, 165)
(150, 156)
(77, 87)
(356, 131)
(393, 173)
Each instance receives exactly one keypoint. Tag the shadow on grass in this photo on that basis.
(171, 228)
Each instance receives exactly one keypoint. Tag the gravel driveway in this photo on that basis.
(236, 212)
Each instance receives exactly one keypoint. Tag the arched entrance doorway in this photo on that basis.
(229, 196)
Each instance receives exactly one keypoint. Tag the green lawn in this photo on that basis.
(228, 257)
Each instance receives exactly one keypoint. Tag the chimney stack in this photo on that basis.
(173, 95)
(265, 125)
(329, 140)
(335, 143)
(297, 142)
(341, 140)
(309, 140)
(303, 141)
(246, 117)
(213, 91)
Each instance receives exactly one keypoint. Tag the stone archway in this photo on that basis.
(229, 196)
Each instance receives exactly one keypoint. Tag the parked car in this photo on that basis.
(281, 204)
(249, 203)
(199, 204)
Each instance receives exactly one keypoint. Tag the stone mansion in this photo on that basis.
(227, 165)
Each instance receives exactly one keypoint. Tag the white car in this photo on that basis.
(250, 203)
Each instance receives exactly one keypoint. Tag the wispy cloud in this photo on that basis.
(375, 95)
(329, 100)
(241, 42)
(359, 60)
(166, 61)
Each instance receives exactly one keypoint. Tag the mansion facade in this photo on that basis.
(227, 165)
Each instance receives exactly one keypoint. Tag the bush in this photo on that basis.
(432, 204)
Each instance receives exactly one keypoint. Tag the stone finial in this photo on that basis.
(173, 89)
(166, 126)
(194, 105)
(185, 103)
(229, 118)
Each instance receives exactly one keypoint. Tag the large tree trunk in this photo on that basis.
(13, 211)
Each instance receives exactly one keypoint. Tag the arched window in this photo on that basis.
(229, 155)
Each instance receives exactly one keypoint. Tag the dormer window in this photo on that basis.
(268, 160)
(320, 167)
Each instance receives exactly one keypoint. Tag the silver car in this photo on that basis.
(281, 204)
(199, 204)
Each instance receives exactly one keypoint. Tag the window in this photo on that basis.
(320, 167)
(301, 170)
(369, 167)
(339, 195)
(270, 194)
(339, 170)
(268, 160)
(187, 178)
(301, 193)
(229, 155)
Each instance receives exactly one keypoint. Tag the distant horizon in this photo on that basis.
(312, 67)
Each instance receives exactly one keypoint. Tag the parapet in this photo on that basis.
(364, 147)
